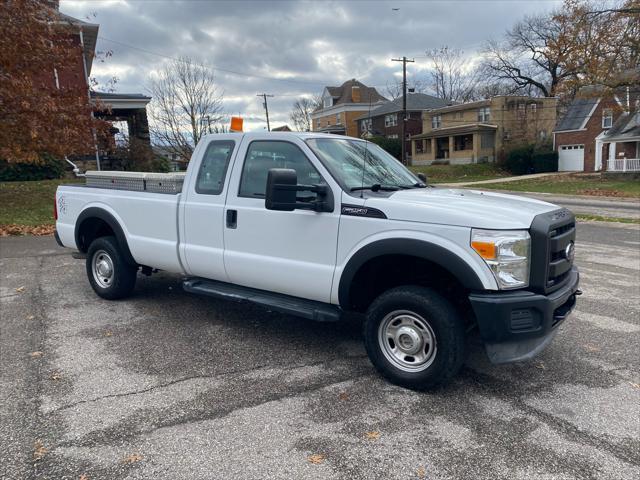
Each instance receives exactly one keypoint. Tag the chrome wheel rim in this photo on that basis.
(102, 268)
(407, 341)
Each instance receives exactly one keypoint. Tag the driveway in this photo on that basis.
(167, 385)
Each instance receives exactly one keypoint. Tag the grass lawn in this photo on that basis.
(29, 203)
(573, 185)
(460, 173)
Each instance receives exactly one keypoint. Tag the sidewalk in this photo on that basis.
(504, 179)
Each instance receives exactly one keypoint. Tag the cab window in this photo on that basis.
(265, 155)
(213, 168)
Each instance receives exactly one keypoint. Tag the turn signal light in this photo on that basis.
(485, 249)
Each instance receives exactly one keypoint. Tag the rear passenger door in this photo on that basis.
(286, 252)
(203, 211)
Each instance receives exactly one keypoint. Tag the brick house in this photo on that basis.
(597, 130)
(479, 131)
(386, 119)
(122, 107)
(342, 105)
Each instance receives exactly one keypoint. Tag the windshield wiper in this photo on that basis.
(415, 185)
(376, 187)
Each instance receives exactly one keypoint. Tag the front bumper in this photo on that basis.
(57, 237)
(516, 326)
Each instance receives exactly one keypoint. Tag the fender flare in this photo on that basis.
(437, 254)
(96, 212)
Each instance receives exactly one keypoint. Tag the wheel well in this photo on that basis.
(382, 273)
(90, 229)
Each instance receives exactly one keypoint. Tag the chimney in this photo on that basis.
(355, 94)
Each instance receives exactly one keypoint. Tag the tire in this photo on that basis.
(110, 276)
(414, 337)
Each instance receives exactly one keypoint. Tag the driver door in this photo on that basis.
(287, 252)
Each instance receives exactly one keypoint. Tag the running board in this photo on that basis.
(300, 307)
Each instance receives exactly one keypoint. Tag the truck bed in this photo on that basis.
(144, 204)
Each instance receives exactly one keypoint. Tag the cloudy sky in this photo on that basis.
(287, 48)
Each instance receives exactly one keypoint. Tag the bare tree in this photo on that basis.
(394, 90)
(186, 104)
(452, 76)
(558, 52)
(301, 112)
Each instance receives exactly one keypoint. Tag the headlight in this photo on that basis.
(507, 253)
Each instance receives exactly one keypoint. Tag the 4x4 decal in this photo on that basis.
(360, 211)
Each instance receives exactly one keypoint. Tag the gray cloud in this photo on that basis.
(306, 44)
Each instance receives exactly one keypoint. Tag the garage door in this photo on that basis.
(571, 158)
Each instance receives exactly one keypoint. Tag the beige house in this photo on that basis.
(477, 132)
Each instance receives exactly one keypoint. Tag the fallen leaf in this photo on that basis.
(14, 229)
(31, 317)
(57, 375)
(422, 472)
(36, 354)
(372, 435)
(541, 366)
(133, 458)
(20, 289)
(38, 450)
(591, 348)
(635, 385)
(84, 477)
(108, 333)
(316, 459)
(343, 396)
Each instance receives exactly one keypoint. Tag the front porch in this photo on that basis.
(620, 156)
(455, 145)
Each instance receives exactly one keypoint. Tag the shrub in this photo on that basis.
(518, 160)
(545, 161)
(48, 168)
(391, 145)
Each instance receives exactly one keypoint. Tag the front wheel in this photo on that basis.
(110, 276)
(414, 337)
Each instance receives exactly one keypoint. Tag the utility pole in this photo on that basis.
(266, 107)
(404, 61)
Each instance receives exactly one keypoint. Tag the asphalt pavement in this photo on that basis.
(167, 385)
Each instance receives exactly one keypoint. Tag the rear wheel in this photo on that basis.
(414, 337)
(110, 276)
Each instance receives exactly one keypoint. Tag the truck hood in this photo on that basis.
(468, 208)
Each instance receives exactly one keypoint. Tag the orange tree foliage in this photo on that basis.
(35, 116)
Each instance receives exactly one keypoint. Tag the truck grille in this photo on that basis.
(552, 238)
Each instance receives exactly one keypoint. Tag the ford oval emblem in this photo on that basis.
(570, 252)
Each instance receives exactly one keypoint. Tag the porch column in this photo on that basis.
(476, 147)
(413, 147)
(451, 146)
(598, 165)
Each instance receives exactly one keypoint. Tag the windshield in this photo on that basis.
(344, 159)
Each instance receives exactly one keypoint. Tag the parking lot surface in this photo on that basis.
(167, 385)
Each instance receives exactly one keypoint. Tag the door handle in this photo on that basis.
(232, 218)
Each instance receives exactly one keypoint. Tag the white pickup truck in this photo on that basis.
(318, 225)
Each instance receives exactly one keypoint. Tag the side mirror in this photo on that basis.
(422, 177)
(281, 189)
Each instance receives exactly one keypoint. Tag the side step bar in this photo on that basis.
(312, 310)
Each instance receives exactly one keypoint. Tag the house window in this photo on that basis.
(484, 114)
(328, 101)
(391, 120)
(393, 136)
(459, 115)
(419, 146)
(607, 118)
(365, 125)
(533, 107)
(487, 140)
(463, 142)
(337, 118)
(436, 121)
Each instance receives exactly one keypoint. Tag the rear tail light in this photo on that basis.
(55, 208)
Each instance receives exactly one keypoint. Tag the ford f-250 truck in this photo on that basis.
(319, 225)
